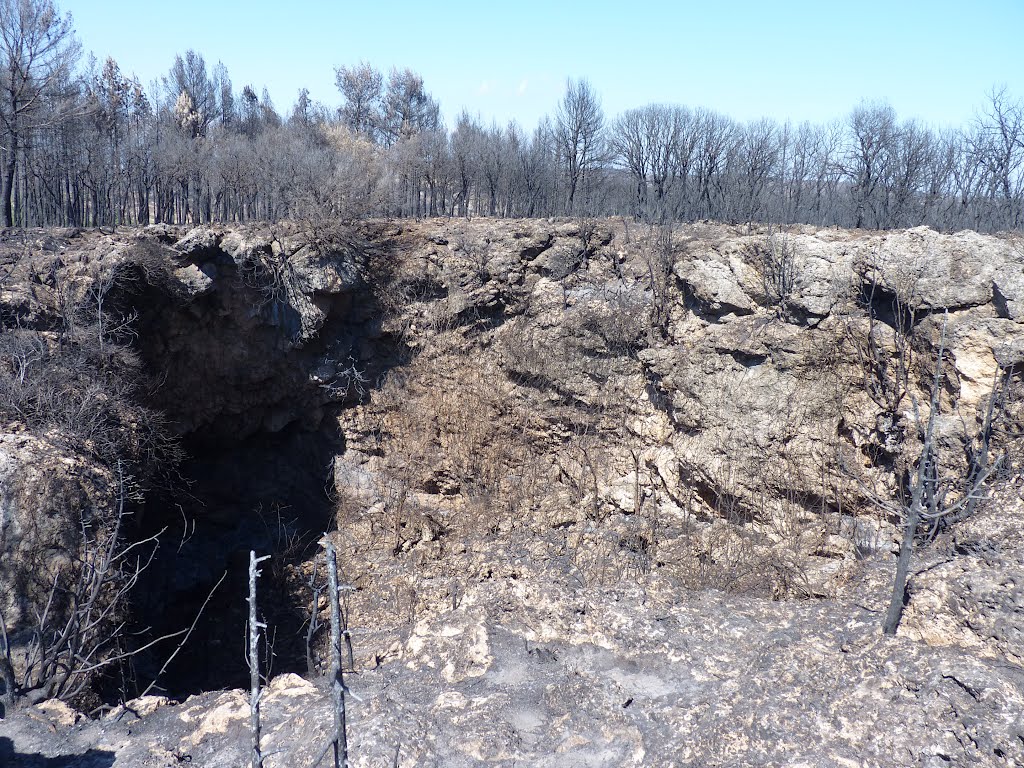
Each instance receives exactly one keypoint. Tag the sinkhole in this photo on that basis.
(255, 405)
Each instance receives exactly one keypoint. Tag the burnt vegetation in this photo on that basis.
(201, 447)
(86, 145)
(258, 415)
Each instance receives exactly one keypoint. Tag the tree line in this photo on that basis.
(86, 145)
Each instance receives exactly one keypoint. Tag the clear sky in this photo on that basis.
(787, 59)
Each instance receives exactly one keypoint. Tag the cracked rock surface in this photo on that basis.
(586, 489)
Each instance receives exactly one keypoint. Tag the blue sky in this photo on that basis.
(799, 60)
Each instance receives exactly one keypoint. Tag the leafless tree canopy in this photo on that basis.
(82, 144)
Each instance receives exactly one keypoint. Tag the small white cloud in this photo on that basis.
(523, 86)
(485, 87)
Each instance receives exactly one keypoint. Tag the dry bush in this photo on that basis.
(77, 633)
(604, 328)
(531, 358)
(475, 252)
(450, 429)
(602, 556)
(617, 316)
(79, 386)
(735, 559)
(776, 261)
(657, 259)
(1008, 424)
(82, 384)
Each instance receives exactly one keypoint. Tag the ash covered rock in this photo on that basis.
(571, 467)
(532, 673)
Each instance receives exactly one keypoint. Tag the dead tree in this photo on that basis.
(933, 488)
(340, 742)
(931, 494)
(314, 622)
(255, 625)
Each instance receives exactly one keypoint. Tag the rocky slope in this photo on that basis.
(605, 494)
(517, 670)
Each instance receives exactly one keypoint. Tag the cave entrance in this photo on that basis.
(256, 405)
(268, 492)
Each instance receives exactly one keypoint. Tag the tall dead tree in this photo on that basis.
(579, 128)
(873, 132)
(253, 658)
(361, 86)
(997, 146)
(37, 52)
(337, 675)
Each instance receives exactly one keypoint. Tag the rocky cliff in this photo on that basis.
(604, 493)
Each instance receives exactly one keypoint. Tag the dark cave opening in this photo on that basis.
(255, 406)
(269, 492)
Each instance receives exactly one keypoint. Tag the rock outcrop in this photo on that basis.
(604, 494)
(519, 670)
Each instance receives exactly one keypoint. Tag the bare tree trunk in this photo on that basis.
(254, 659)
(899, 587)
(314, 622)
(7, 191)
(8, 697)
(337, 676)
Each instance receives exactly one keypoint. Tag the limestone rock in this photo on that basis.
(596, 507)
(717, 283)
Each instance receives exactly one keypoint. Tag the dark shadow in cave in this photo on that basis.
(270, 493)
(254, 406)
